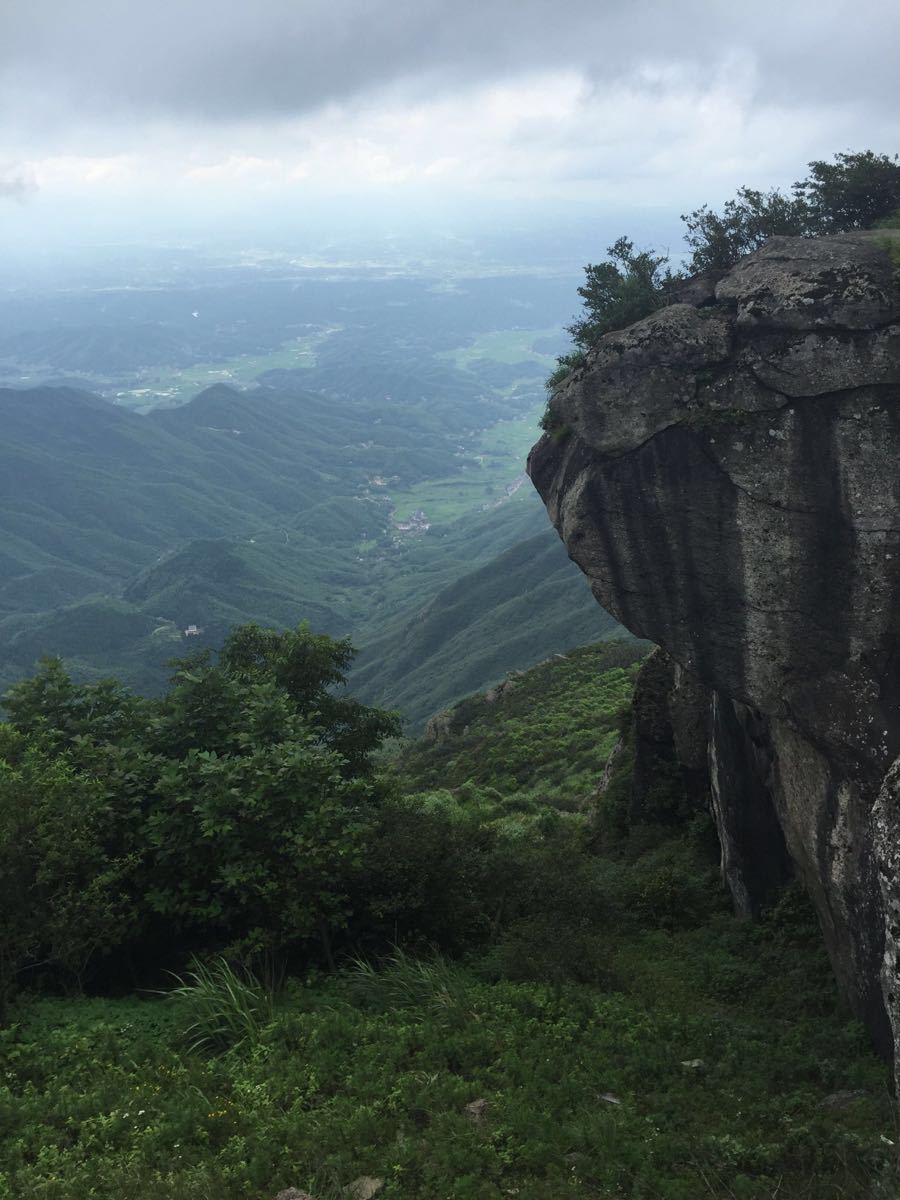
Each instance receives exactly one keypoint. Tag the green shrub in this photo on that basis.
(854, 191)
(670, 898)
(68, 856)
(230, 814)
(627, 286)
(566, 364)
(424, 877)
(718, 240)
(556, 902)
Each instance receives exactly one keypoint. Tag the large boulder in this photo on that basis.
(725, 472)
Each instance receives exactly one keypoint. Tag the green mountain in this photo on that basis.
(119, 531)
(520, 607)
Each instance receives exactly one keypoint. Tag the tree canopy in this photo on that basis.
(227, 814)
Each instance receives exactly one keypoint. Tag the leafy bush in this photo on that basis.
(671, 898)
(52, 705)
(718, 240)
(229, 814)
(67, 857)
(629, 285)
(855, 191)
(425, 876)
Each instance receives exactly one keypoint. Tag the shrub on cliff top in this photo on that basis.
(854, 191)
(628, 285)
(718, 240)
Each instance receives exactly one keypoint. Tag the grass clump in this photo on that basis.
(430, 985)
(221, 1006)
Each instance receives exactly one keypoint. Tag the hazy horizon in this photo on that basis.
(286, 121)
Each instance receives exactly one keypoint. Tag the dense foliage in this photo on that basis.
(717, 240)
(854, 191)
(575, 1012)
(230, 813)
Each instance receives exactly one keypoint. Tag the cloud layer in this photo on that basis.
(233, 60)
(641, 99)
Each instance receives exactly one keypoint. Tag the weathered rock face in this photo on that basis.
(727, 474)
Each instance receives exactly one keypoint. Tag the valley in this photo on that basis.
(334, 447)
(160, 387)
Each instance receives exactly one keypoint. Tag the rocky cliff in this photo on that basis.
(727, 474)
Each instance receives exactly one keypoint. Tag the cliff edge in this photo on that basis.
(726, 472)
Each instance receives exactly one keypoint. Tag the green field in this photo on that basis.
(169, 386)
(495, 464)
(503, 346)
(496, 461)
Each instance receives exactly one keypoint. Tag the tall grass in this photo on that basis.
(224, 1006)
(433, 984)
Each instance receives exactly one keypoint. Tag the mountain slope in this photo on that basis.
(525, 604)
(118, 531)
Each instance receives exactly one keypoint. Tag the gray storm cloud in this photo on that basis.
(227, 60)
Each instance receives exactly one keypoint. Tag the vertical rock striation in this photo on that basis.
(727, 474)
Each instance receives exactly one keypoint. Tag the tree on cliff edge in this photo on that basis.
(629, 285)
(855, 191)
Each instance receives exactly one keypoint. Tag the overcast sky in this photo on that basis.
(125, 104)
